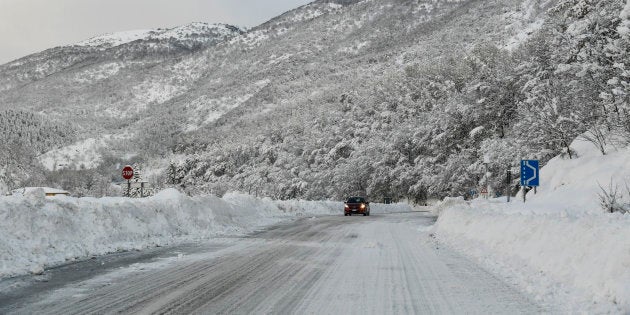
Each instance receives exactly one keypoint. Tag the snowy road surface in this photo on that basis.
(380, 264)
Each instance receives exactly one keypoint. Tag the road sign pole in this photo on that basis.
(127, 173)
(530, 175)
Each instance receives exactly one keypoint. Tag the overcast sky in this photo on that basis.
(28, 26)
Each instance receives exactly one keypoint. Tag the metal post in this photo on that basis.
(524, 191)
(128, 188)
(141, 189)
(509, 181)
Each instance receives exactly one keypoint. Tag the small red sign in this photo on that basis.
(127, 172)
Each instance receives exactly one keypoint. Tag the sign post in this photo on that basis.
(530, 174)
(509, 182)
(484, 193)
(127, 173)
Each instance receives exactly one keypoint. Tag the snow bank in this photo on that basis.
(560, 245)
(448, 202)
(589, 255)
(376, 208)
(573, 185)
(38, 231)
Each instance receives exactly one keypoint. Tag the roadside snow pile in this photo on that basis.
(574, 185)
(548, 254)
(448, 202)
(560, 246)
(38, 231)
(391, 208)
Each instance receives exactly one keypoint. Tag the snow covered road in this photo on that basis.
(380, 264)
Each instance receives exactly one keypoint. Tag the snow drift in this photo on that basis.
(560, 245)
(37, 231)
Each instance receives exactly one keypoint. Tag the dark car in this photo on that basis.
(358, 205)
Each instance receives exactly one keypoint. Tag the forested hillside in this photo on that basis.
(385, 98)
(24, 136)
(423, 129)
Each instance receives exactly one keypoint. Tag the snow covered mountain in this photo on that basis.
(124, 46)
(196, 33)
(316, 93)
(142, 92)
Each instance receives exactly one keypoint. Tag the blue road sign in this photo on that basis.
(530, 173)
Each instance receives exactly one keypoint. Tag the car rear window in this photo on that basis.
(355, 200)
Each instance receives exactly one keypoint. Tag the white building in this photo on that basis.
(49, 192)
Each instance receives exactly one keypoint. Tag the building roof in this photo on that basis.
(47, 190)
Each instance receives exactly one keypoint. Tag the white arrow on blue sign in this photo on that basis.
(530, 173)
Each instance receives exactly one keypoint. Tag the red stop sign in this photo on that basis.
(127, 172)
